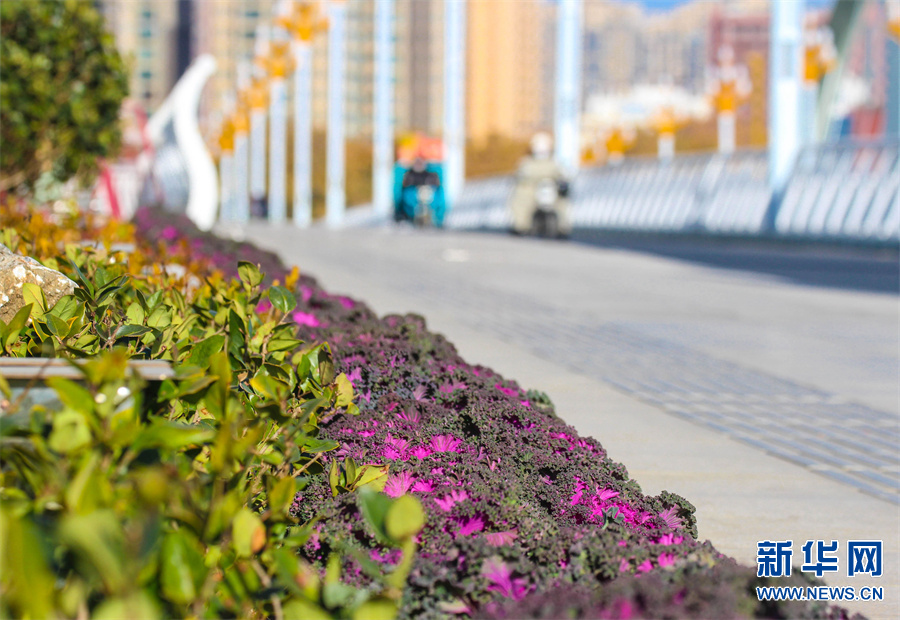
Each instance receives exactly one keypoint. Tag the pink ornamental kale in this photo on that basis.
(496, 571)
(305, 318)
(398, 484)
(445, 443)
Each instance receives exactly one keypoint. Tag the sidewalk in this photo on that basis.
(625, 344)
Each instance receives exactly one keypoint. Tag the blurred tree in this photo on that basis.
(62, 83)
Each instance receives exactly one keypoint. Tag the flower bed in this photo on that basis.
(522, 516)
(525, 518)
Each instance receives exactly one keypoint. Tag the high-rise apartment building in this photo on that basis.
(146, 35)
(227, 30)
(506, 66)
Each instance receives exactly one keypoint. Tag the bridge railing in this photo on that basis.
(845, 192)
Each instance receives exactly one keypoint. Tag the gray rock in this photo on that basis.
(16, 270)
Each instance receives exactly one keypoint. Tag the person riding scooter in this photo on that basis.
(420, 199)
(539, 203)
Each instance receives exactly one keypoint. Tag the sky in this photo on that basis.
(664, 5)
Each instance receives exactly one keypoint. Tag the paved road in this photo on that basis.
(770, 400)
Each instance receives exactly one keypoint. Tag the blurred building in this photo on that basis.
(226, 30)
(743, 27)
(507, 68)
(868, 62)
(146, 33)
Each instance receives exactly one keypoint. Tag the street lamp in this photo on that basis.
(226, 170)
(279, 64)
(730, 87)
(454, 137)
(383, 112)
(335, 199)
(567, 106)
(241, 122)
(666, 122)
(819, 57)
(618, 140)
(304, 21)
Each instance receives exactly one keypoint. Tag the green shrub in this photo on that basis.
(62, 83)
(125, 503)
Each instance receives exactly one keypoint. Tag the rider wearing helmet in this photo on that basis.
(418, 174)
(535, 172)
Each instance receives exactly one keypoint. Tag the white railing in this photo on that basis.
(843, 192)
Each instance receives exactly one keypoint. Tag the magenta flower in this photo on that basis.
(475, 524)
(498, 539)
(606, 494)
(670, 518)
(346, 302)
(263, 306)
(449, 388)
(579, 492)
(419, 392)
(624, 566)
(169, 233)
(409, 416)
(423, 486)
(450, 500)
(305, 318)
(396, 448)
(305, 293)
(398, 484)
(665, 559)
(669, 539)
(506, 390)
(421, 452)
(355, 376)
(445, 443)
(645, 567)
(525, 403)
(497, 572)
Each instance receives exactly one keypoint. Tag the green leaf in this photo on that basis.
(248, 534)
(249, 274)
(192, 386)
(15, 326)
(139, 605)
(130, 331)
(160, 318)
(405, 518)
(135, 313)
(374, 507)
(376, 609)
(56, 325)
(32, 294)
(283, 344)
(98, 538)
(334, 477)
(217, 395)
(66, 308)
(4, 388)
(314, 445)
(72, 394)
(282, 299)
(344, 390)
(182, 571)
(281, 495)
(169, 434)
(82, 280)
(375, 476)
(302, 609)
(203, 350)
(70, 431)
